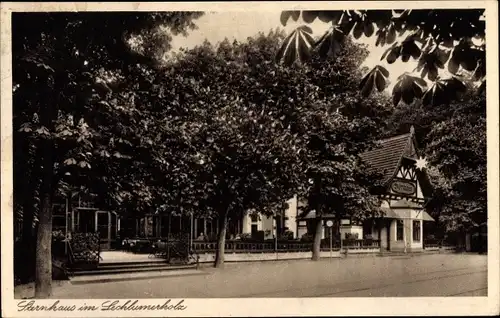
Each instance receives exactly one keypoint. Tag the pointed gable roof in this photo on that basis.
(387, 158)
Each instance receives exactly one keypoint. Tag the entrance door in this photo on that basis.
(104, 229)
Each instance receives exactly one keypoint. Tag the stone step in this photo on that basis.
(134, 263)
(108, 278)
(120, 269)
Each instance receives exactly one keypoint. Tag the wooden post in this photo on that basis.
(109, 230)
(331, 242)
(72, 220)
(275, 222)
(96, 219)
(191, 228)
(169, 225)
(78, 218)
(204, 226)
(159, 225)
(66, 226)
(195, 228)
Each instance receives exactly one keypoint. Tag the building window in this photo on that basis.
(367, 227)
(399, 230)
(254, 230)
(416, 231)
(254, 218)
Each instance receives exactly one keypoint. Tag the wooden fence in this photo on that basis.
(280, 246)
(361, 244)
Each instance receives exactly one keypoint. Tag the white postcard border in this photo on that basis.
(255, 306)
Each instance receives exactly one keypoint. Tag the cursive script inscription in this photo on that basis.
(31, 306)
(403, 187)
(134, 306)
(109, 305)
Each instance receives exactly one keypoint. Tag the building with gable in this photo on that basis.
(406, 189)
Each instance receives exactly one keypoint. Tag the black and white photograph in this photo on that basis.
(155, 156)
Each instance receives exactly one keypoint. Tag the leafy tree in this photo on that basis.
(242, 154)
(60, 95)
(332, 122)
(337, 125)
(457, 148)
(438, 39)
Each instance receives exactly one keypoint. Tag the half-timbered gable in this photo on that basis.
(406, 190)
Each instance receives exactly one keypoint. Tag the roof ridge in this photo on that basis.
(395, 137)
(410, 135)
(381, 141)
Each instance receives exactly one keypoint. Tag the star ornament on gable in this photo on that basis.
(421, 163)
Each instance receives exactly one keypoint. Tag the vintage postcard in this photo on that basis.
(249, 159)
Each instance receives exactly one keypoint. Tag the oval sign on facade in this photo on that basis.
(402, 187)
(329, 223)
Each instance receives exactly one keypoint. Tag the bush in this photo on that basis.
(307, 238)
(141, 247)
(286, 236)
(245, 236)
(58, 236)
(260, 236)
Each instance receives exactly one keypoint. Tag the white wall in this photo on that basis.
(291, 213)
(344, 229)
(301, 230)
(247, 224)
(267, 224)
(396, 245)
(383, 238)
(259, 223)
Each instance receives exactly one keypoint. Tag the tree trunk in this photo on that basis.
(31, 185)
(26, 175)
(316, 250)
(26, 256)
(28, 217)
(43, 258)
(221, 240)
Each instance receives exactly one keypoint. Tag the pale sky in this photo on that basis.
(240, 25)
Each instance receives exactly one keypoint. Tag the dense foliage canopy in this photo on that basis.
(439, 40)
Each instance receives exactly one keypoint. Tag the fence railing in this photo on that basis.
(252, 247)
(259, 246)
(281, 246)
(441, 245)
(360, 244)
(431, 243)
